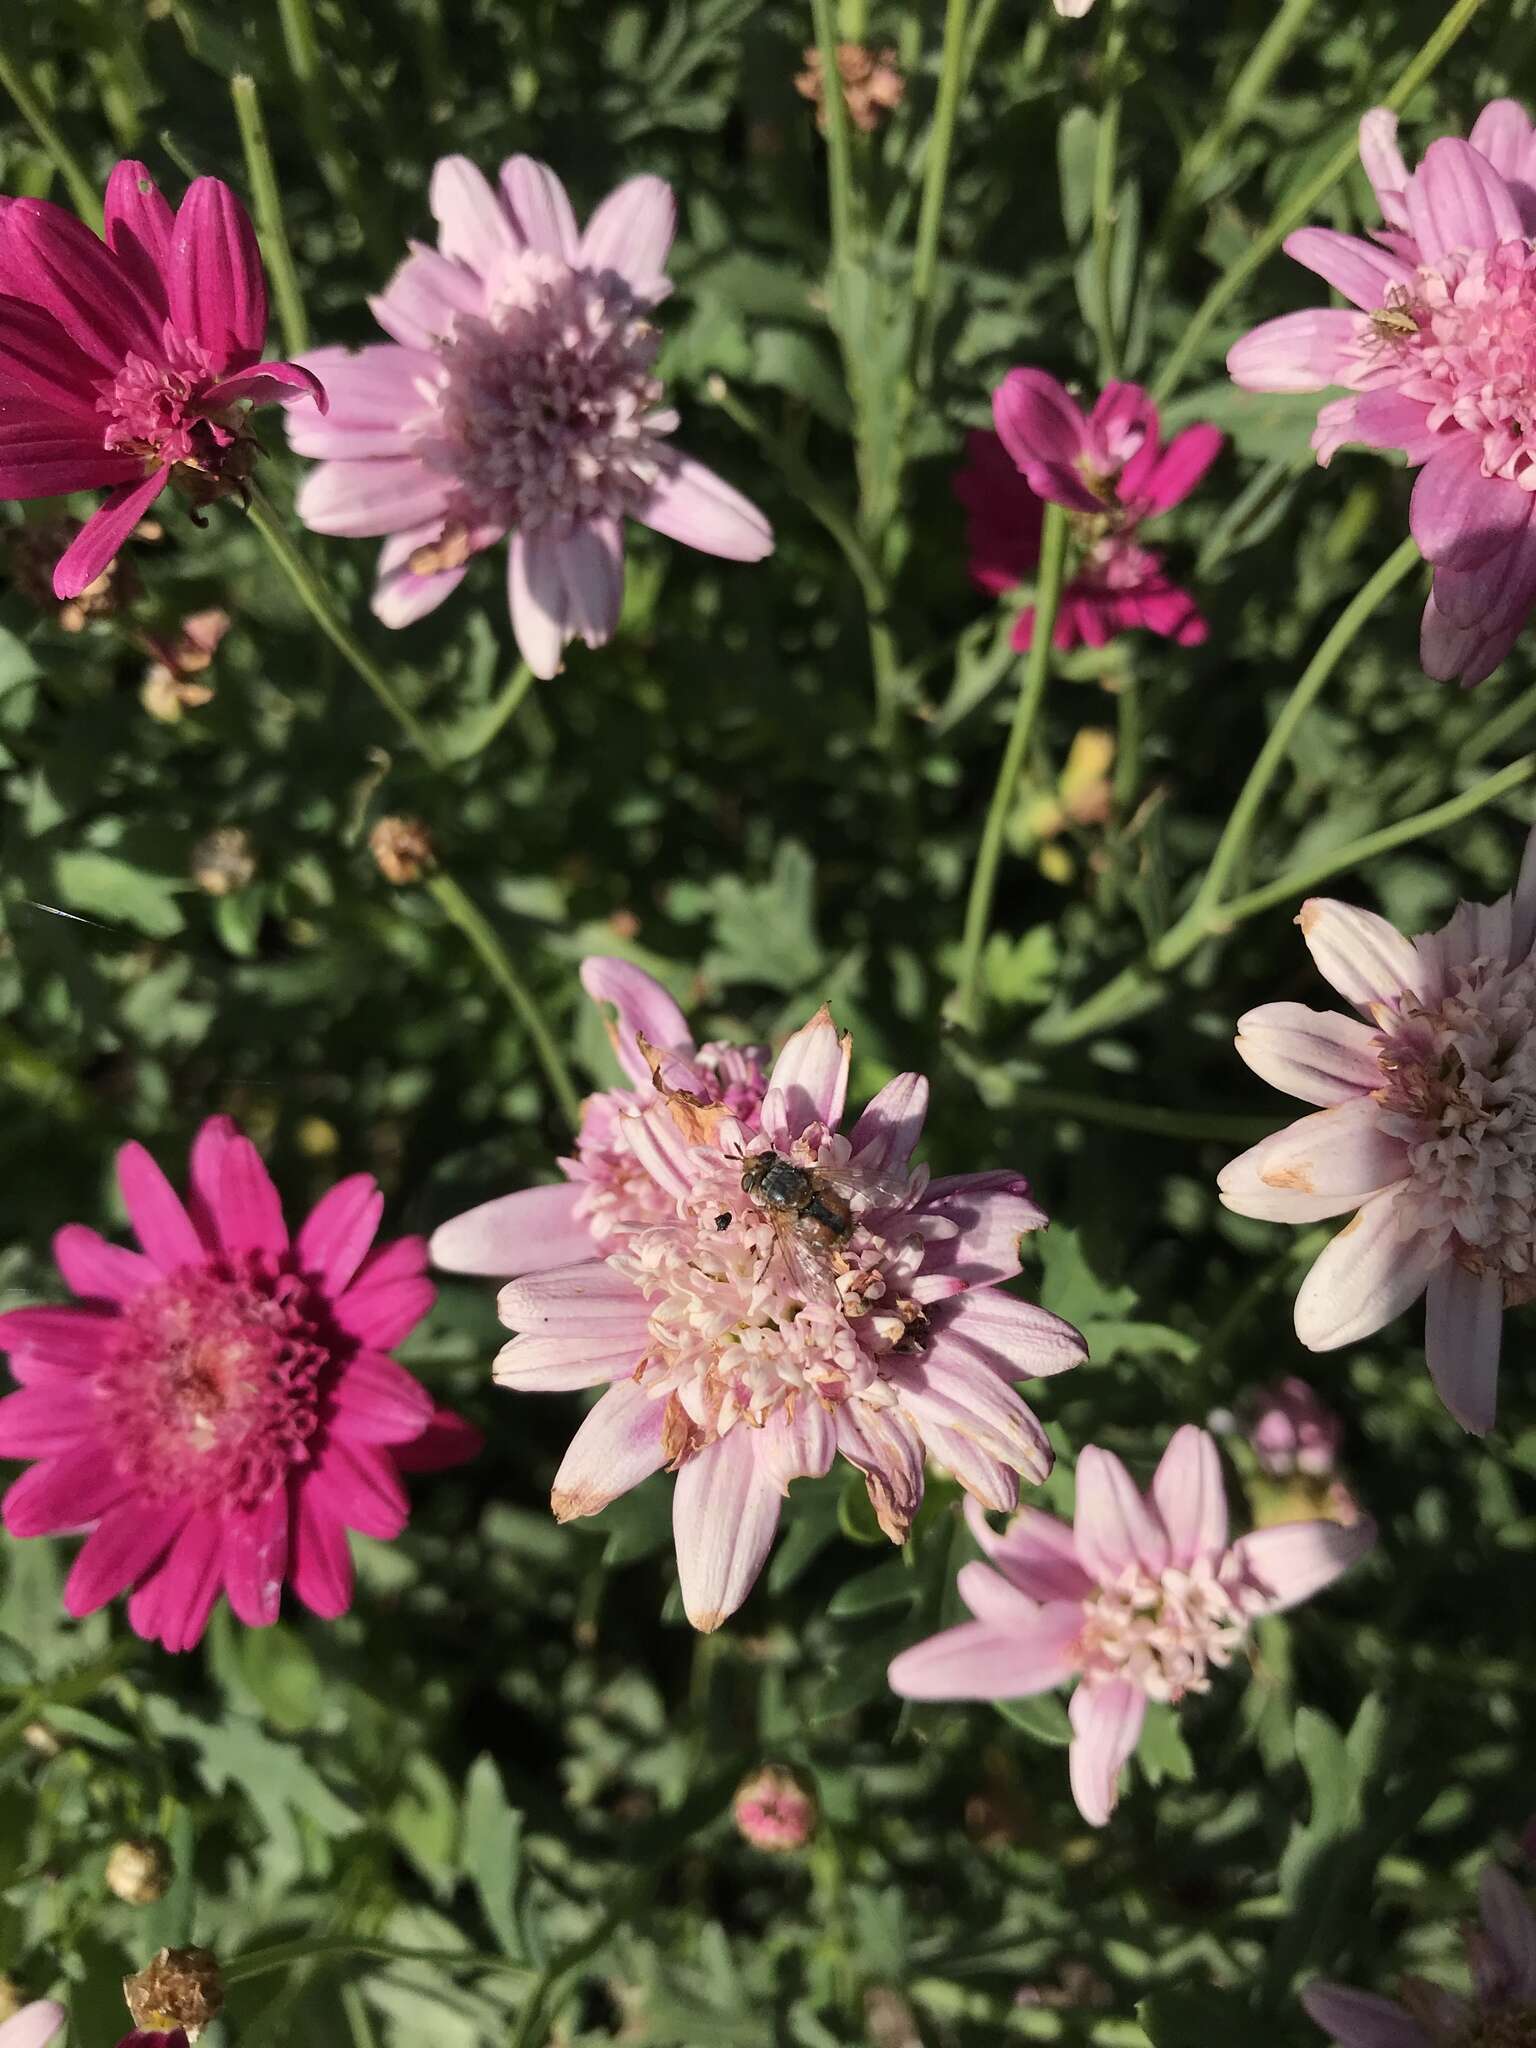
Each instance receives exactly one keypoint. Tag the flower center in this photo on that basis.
(213, 1383)
(548, 407)
(151, 407)
(1164, 1632)
(1460, 1089)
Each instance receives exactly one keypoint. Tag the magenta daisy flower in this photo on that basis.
(1139, 1600)
(772, 1294)
(1426, 1128)
(1436, 350)
(1111, 471)
(1500, 2013)
(132, 362)
(517, 396)
(221, 1408)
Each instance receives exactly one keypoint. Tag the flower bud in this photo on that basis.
(403, 849)
(139, 1871)
(181, 1988)
(773, 1811)
(1290, 1430)
(224, 860)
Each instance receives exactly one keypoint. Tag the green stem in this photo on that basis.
(270, 223)
(966, 1002)
(941, 143)
(1239, 826)
(1490, 737)
(315, 78)
(82, 192)
(1193, 1125)
(497, 962)
(839, 139)
(338, 1948)
(1302, 201)
(528, 2033)
(1106, 149)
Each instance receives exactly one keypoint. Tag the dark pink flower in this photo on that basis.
(1437, 349)
(221, 1408)
(518, 397)
(1291, 1429)
(132, 362)
(1111, 471)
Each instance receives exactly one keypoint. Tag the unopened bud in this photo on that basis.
(139, 1872)
(773, 1811)
(182, 1988)
(403, 849)
(224, 860)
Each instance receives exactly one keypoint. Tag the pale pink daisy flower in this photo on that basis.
(221, 1408)
(1440, 361)
(517, 396)
(1426, 1127)
(1501, 2013)
(132, 362)
(1290, 1429)
(34, 2026)
(606, 1190)
(743, 1348)
(1139, 1600)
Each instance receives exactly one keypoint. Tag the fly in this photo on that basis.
(811, 1212)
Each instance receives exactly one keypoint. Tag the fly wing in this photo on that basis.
(809, 1266)
(877, 1187)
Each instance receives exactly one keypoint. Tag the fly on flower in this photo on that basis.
(810, 1211)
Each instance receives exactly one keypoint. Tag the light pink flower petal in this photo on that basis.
(34, 2026)
(988, 1479)
(51, 259)
(888, 1449)
(800, 1445)
(1321, 1166)
(155, 1210)
(692, 505)
(1456, 200)
(418, 306)
(138, 225)
(992, 1598)
(890, 1126)
(1036, 1552)
(401, 594)
(631, 233)
(256, 1560)
(809, 1082)
(1464, 520)
(361, 500)
(1174, 473)
(980, 1660)
(374, 395)
(1386, 419)
(173, 1604)
(1358, 953)
(1467, 654)
(526, 1232)
(1523, 904)
(473, 224)
(1017, 1339)
(1364, 273)
(217, 288)
(1463, 1330)
(557, 1365)
(539, 601)
(1113, 1527)
(1304, 351)
(993, 1211)
(1383, 164)
(1189, 1494)
(379, 1402)
(618, 1444)
(247, 1208)
(588, 1299)
(1502, 132)
(1510, 1926)
(541, 212)
(593, 562)
(1314, 1054)
(98, 541)
(1291, 1561)
(339, 1230)
(953, 1392)
(652, 1134)
(725, 1511)
(1106, 1727)
(97, 1270)
(1374, 1269)
(1358, 2019)
(319, 1557)
(642, 1009)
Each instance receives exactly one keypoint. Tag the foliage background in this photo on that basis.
(513, 1748)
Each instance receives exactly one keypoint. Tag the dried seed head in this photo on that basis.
(224, 860)
(182, 1987)
(403, 849)
(32, 551)
(871, 80)
(139, 1871)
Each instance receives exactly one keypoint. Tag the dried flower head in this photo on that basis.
(224, 860)
(139, 1870)
(33, 548)
(182, 1988)
(871, 81)
(402, 849)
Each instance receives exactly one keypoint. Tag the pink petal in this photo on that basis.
(891, 1124)
(247, 1209)
(541, 212)
(1113, 1527)
(724, 1515)
(474, 228)
(45, 1420)
(981, 1661)
(53, 261)
(1358, 953)
(1190, 1496)
(34, 2026)
(558, 1365)
(44, 453)
(886, 1447)
(448, 1440)
(1177, 471)
(383, 1312)
(948, 1390)
(1043, 429)
(160, 1223)
(798, 1445)
(1502, 133)
(1017, 1339)
(402, 595)
(988, 1479)
(992, 1598)
(1364, 273)
(98, 541)
(1358, 2019)
(319, 1560)
(69, 1491)
(1304, 351)
(692, 505)
(267, 384)
(73, 1339)
(1510, 1927)
(1106, 1727)
(1383, 164)
(809, 1082)
(631, 233)
(417, 306)
(172, 1605)
(1463, 1329)
(362, 1487)
(256, 1560)
(539, 601)
(374, 395)
(1523, 904)
(1324, 1165)
(653, 1136)
(1386, 419)
(97, 1270)
(1293, 1560)
(593, 562)
(618, 1444)
(1461, 518)
(379, 1402)
(642, 1009)
(127, 1542)
(1314, 1054)
(993, 1211)
(1036, 1552)
(218, 291)
(584, 1300)
(1374, 1269)
(42, 362)
(1469, 654)
(338, 1231)
(526, 1232)
(139, 225)
(360, 500)
(1456, 200)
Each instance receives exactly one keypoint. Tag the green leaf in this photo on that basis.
(1193, 2019)
(283, 1675)
(1162, 1753)
(855, 1515)
(892, 1584)
(491, 1853)
(101, 885)
(1043, 1718)
(1077, 140)
(1070, 1287)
